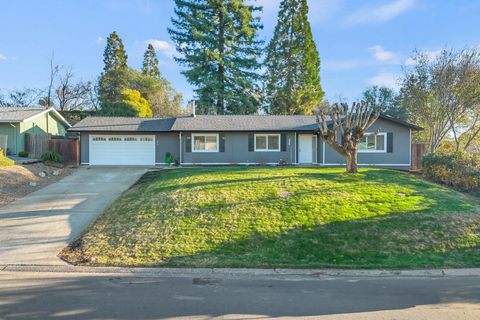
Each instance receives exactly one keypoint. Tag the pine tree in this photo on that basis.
(150, 62)
(218, 43)
(293, 64)
(113, 79)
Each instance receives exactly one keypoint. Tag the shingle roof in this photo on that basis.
(209, 123)
(245, 123)
(123, 124)
(16, 114)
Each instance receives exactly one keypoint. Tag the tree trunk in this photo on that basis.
(221, 67)
(352, 161)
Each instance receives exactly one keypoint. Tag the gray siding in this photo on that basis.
(236, 151)
(401, 147)
(166, 142)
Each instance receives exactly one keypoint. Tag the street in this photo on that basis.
(44, 295)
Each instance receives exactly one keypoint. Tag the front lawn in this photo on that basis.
(284, 217)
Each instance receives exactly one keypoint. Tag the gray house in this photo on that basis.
(234, 139)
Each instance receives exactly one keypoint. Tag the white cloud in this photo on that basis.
(380, 12)
(3, 57)
(164, 47)
(431, 55)
(385, 79)
(99, 39)
(380, 54)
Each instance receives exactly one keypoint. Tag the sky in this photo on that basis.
(361, 43)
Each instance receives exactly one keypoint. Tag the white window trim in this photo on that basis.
(267, 135)
(376, 151)
(205, 135)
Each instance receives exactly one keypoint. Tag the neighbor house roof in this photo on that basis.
(124, 124)
(209, 123)
(20, 114)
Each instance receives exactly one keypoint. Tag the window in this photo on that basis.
(146, 139)
(130, 139)
(99, 139)
(267, 142)
(205, 142)
(114, 139)
(373, 143)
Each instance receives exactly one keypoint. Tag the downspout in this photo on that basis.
(14, 138)
(180, 144)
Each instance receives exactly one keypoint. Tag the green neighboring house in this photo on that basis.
(15, 122)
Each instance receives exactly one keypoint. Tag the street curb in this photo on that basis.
(245, 273)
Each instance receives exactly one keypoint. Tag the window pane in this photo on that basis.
(273, 143)
(380, 142)
(211, 144)
(363, 144)
(199, 143)
(371, 142)
(261, 142)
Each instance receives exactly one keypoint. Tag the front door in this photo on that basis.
(305, 148)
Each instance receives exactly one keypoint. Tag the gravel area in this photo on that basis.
(19, 180)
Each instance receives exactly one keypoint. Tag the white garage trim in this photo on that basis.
(121, 149)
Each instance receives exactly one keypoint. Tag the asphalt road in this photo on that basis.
(28, 295)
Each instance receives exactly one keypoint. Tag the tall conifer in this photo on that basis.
(150, 62)
(218, 45)
(292, 63)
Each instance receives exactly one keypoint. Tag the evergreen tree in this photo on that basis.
(217, 40)
(150, 63)
(113, 79)
(293, 64)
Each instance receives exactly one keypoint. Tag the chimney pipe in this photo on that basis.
(193, 108)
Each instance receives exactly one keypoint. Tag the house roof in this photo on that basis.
(207, 123)
(19, 114)
(124, 124)
(245, 123)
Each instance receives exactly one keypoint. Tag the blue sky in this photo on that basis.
(361, 43)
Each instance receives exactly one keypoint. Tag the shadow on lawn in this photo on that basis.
(406, 240)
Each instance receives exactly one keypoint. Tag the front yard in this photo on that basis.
(284, 217)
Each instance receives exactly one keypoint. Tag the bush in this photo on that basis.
(52, 156)
(4, 161)
(23, 154)
(168, 159)
(459, 170)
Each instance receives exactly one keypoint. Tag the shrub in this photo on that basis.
(23, 154)
(52, 156)
(459, 170)
(168, 159)
(4, 161)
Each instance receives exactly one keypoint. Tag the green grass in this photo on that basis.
(4, 161)
(284, 217)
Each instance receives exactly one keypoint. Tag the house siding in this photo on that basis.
(399, 158)
(236, 151)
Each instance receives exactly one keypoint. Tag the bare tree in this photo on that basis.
(54, 69)
(72, 96)
(349, 125)
(27, 97)
(443, 95)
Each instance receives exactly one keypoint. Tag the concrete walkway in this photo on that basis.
(35, 228)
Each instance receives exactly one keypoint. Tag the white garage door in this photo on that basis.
(122, 150)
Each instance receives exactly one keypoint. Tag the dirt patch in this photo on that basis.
(19, 180)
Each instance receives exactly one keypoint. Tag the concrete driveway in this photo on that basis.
(35, 228)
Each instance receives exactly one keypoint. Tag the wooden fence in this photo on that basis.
(418, 150)
(37, 144)
(69, 148)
